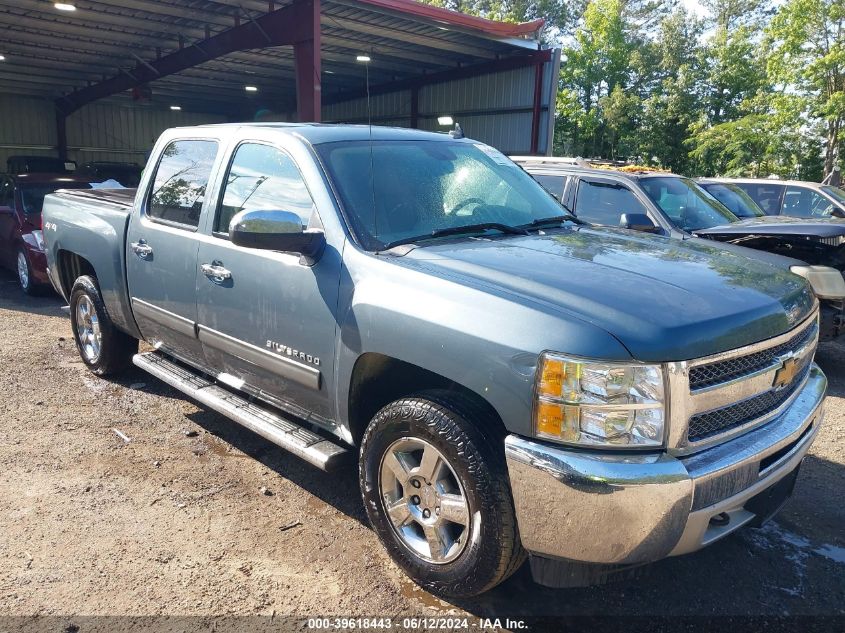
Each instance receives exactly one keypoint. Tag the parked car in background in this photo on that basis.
(507, 377)
(39, 165)
(127, 174)
(794, 198)
(674, 206)
(814, 240)
(21, 237)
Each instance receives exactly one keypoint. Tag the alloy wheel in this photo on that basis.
(88, 329)
(424, 500)
(23, 270)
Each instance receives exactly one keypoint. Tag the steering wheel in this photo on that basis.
(466, 202)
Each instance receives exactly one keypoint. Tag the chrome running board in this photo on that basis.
(267, 423)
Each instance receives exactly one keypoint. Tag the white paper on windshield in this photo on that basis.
(111, 183)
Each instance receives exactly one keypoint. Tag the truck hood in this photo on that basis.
(778, 226)
(663, 299)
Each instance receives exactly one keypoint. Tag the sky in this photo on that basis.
(694, 6)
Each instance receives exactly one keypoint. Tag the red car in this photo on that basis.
(21, 238)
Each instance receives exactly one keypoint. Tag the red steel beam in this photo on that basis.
(279, 28)
(447, 16)
(538, 104)
(306, 58)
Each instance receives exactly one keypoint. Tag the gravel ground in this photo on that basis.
(194, 515)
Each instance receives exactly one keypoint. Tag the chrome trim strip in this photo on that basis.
(770, 368)
(168, 319)
(280, 365)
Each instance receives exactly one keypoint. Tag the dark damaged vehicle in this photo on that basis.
(21, 234)
(674, 206)
(510, 381)
(817, 240)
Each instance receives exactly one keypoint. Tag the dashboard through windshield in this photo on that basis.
(396, 190)
(687, 205)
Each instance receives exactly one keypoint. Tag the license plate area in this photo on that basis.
(764, 505)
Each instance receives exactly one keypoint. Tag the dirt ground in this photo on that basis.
(175, 522)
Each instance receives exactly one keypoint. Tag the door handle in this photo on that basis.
(215, 271)
(142, 249)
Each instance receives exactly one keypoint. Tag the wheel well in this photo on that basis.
(378, 380)
(71, 268)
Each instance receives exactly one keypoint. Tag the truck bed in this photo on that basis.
(118, 198)
(92, 224)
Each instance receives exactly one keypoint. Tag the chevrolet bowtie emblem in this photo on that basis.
(786, 374)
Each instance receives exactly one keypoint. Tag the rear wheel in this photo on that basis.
(103, 348)
(436, 490)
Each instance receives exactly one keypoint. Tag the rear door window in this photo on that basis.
(553, 184)
(767, 196)
(803, 202)
(180, 182)
(600, 202)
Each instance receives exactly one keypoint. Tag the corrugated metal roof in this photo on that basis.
(52, 53)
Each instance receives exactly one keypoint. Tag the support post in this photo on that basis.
(415, 107)
(61, 133)
(538, 104)
(306, 57)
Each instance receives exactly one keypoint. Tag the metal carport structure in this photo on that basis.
(301, 55)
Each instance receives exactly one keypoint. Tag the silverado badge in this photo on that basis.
(786, 374)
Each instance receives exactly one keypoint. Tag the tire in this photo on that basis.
(484, 551)
(103, 348)
(24, 270)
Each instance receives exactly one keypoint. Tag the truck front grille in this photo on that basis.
(721, 395)
(711, 374)
(712, 423)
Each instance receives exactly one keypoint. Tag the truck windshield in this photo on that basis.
(687, 205)
(735, 199)
(421, 187)
(33, 195)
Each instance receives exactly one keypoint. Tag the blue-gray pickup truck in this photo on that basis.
(510, 380)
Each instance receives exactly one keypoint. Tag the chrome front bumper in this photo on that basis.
(628, 509)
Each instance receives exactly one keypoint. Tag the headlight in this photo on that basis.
(826, 282)
(39, 239)
(599, 404)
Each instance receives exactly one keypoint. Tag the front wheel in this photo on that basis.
(103, 348)
(435, 487)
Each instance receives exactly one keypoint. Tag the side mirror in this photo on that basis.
(837, 213)
(276, 231)
(638, 222)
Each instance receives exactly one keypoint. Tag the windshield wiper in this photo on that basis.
(555, 220)
(459, 230)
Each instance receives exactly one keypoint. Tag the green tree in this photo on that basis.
(807, 53)
(671, 101)
(730, 14)
(597, 62)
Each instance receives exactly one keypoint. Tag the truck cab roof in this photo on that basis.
(316, 133)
